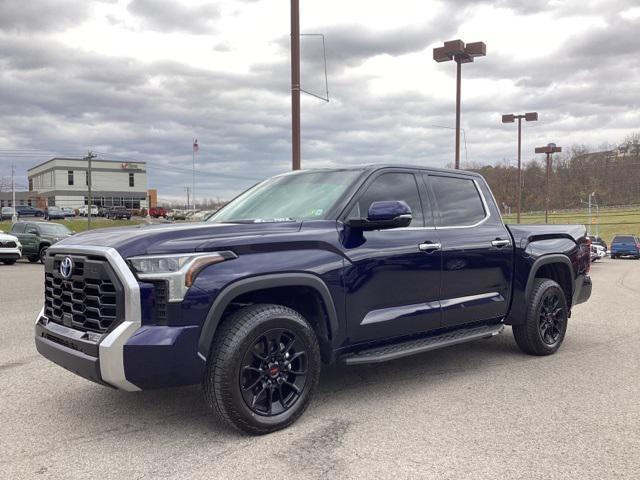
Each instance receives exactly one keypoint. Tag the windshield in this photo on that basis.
(54, 229)
(302, 196)
(623, 239)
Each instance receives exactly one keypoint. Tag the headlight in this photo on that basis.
(179, 271)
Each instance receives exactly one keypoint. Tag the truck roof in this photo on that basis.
(372, 167)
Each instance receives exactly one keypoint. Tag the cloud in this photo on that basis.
(41, 15)
(172, 16)
(56, 99)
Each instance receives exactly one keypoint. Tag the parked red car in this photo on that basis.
(156, 212)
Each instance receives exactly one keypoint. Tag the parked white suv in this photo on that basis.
(10, 249)
(84, 211)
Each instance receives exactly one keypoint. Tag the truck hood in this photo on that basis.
(146, 239)
(4, 237)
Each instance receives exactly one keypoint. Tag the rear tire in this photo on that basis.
(9, 262)
(546, 321)
(33, 259)
(42, 255)
(263, 368)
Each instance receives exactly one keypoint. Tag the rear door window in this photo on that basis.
(459, 202)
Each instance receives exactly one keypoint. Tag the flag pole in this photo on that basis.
(193, 164)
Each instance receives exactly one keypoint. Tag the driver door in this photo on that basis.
(29, 240)
(392, 281)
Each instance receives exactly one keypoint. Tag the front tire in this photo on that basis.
(546, 322)
(263, 368)
(9, 262)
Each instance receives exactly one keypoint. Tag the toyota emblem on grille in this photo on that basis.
(66, 267)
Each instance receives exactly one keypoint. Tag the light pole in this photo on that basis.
(549, 150)
(461, 53)
(14, 217)
(90, 156)
(591, 195)
(295, 84)
(510, 118)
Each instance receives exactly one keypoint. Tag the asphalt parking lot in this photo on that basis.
(480, 410)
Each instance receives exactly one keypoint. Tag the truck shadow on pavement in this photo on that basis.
(185, 410)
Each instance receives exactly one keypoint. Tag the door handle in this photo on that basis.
(429, 247)
(500, 243)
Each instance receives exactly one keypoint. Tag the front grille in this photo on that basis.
(91, 299)
(9, 244)
(161, 302)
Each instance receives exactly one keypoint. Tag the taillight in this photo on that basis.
(585, 246)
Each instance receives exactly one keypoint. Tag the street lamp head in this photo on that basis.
(454, 47)
(549, 148)
(531, 116)
(509, 118)
(476, 49)
(440, 55)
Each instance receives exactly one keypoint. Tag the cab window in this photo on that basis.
(387, 187)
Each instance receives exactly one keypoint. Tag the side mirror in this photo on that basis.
(384, 215)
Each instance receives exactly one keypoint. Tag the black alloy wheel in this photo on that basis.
(274, 372)
(545, 325)
(551, 318)
(263, 368)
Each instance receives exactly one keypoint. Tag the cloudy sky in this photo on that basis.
(138, 79)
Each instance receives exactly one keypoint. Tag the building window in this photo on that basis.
(70, 177)
(31, 184)
(131, 181)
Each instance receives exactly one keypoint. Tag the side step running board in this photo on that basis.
(420, 345)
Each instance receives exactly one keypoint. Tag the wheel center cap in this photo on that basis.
(273, 371)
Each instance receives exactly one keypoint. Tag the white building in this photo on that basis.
(64, 182)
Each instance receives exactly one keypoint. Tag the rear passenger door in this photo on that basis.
(477, 252)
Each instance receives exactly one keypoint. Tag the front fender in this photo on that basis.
(246, 285)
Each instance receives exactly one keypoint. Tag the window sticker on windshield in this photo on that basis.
(317, 212)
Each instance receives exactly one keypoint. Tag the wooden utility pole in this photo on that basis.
(90, 156)
(295, 84)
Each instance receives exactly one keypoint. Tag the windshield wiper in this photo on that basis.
(259, 220)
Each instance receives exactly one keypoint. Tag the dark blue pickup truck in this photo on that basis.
(357, 265)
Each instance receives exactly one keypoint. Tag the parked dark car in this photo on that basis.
(37, 237)
(351, 266)
(596, 240)
(118, 213)
(6, 213)
(68, 212)
(27, 211)
(625, 246)
(54, 213)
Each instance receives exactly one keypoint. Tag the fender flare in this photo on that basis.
(545, 260)
(262, 282)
